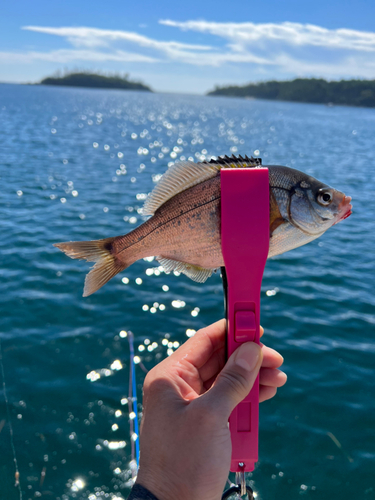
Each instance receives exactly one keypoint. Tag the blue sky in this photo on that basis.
(189, 46)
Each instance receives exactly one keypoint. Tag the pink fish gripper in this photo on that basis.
(245, 245)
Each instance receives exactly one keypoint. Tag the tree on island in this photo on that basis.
(312, 90)
(94, 80)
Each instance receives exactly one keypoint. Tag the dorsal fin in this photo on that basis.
(177, 178)
(186, 174)
(237, 162)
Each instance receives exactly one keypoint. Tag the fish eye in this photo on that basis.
(324, 198)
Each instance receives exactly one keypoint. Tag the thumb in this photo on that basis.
(236, 378)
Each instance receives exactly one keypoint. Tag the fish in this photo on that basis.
(183, 232)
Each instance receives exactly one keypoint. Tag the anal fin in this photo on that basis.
(196, 273)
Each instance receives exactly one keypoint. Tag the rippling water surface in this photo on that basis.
(76, 164)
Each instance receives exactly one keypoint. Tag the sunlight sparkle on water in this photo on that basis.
(178, 304)
(141, 196)
(114, 445)
(195, 311)
(116, 365)
(149, 259)
(77, 485)
(93, 376)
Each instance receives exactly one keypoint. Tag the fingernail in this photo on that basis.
(247, 356)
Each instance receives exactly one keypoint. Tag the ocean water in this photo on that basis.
(76, 164)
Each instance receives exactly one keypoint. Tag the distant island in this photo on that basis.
(95, 80)
(311, 90)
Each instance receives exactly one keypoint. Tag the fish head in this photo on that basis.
(316, 208)
(308, 204)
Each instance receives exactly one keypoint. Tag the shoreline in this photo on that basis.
(245, 98)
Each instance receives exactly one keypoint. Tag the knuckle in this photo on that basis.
(147, 381)
(154, 383)
(152, 380)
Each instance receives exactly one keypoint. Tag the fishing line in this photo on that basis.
(17, 473)
(134, 396)
(131, 424)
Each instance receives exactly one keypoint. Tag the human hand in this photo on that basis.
(185, 440)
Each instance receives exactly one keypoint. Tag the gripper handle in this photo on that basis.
(245, 245)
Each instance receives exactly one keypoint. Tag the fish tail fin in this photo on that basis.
(98, 251)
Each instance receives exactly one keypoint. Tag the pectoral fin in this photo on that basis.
(276, 219)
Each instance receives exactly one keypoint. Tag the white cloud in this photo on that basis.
(198, 55)
(95, 37)
(290, 49)
(289, 33)
(65, 56)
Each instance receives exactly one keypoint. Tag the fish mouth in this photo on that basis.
(344, 209)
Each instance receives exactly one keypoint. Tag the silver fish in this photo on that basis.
(184, 230)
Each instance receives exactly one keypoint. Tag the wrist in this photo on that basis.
(159, 486)
(139, 492)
